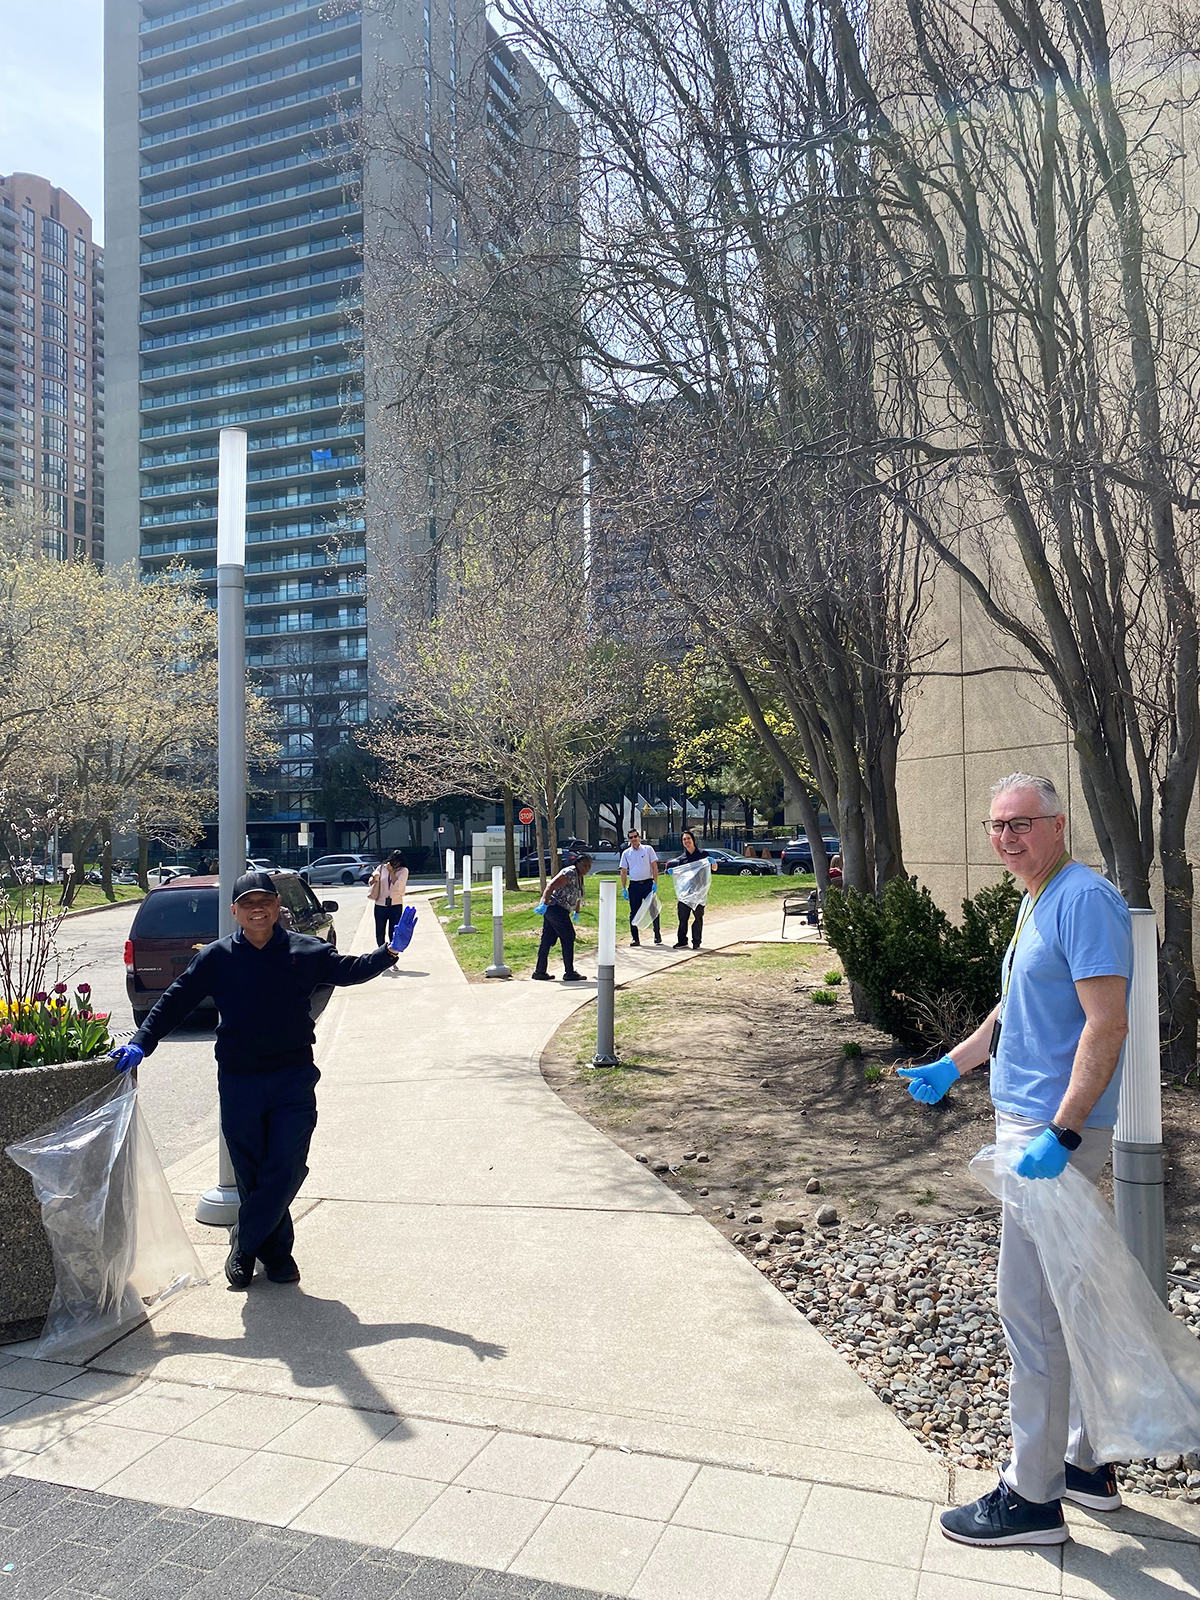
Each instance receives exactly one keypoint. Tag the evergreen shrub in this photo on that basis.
(925, 980)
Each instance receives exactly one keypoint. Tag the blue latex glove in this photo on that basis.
(539, 910)
(624, 894)
(574, 916)
(126, 1056)
(929, 1084)
(403, 931)
(1044, 1157)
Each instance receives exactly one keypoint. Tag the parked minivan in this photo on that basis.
(178, 918)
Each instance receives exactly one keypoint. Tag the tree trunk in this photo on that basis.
(143, 863)
(552, 819)
(510, 842)
(539, 833)
(106, 862)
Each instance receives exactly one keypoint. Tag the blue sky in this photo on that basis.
(51, 96)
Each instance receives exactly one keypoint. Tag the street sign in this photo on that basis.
(68, 860)
(302, 834)
(525, 815)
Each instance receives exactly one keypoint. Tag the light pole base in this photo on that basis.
(467, 928)
(1138, 1202)
(218, 1208)
(605, 1061)
(496, 972)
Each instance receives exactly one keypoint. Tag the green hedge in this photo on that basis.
(926, 981)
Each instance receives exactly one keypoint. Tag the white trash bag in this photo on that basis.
(117, 1238)
(650, 908)
(691, 882)
(1135, 1368)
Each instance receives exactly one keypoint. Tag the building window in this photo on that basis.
(54, 398)
(54, 241)
(27, 227)
(27, 312)
(54, 361)
(79, 414)
(54, 435)
(27, 462)
(54, 472)
(80, 482)
(27, 395)
(54, 285)
(80, 373)
(81, 445)
(54, 324)
(27, 425)
(27, 349)
(80, 339)
(80, 256)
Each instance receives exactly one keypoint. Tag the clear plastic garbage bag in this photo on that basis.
(691, 882)
(650, 908)
(115, 1233)
(1135, 1368)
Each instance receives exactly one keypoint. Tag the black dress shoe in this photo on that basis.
(283, 1271)
(239, 1267)
(542, 977)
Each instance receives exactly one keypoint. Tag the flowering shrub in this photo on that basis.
(49, 1028)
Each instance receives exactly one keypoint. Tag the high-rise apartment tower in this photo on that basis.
(237, 217)
(52, 364)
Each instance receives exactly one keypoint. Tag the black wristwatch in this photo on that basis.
(1067, 1137)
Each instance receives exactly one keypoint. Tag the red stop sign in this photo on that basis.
(525, 815)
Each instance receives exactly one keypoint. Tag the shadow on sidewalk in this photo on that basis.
(316, 1339)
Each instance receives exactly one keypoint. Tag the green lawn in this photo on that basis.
(88, 894)
(523, 927)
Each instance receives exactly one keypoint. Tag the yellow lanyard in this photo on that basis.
(1026, 913)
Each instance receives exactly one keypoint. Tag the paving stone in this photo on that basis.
(214, 1542)
(505, 1586)
(439, 1580)
(155, 1541)
(167, 1581)
(367, 1581)
(244, 1573)
(316, 1570)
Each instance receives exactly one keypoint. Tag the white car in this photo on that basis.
(340, 869)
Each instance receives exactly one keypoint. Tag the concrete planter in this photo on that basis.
(29, 1098)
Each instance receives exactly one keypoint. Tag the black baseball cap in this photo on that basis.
(254, 883)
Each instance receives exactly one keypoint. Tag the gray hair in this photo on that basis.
(1043, 787)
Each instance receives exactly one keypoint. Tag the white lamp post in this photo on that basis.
(606, 974)
(449, 880)
(1137, 1138)
(466, 888)
(498, 968)
(219, 1207)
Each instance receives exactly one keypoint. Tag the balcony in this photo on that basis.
(251, 263)
(188, 130)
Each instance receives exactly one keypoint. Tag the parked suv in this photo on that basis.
(340, 869)
(797, 853)
(176, 919)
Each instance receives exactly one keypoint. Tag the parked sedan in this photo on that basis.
(739, 866)
(176, 919)
(340, 869)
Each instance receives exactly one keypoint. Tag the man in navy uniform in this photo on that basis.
(261, 979)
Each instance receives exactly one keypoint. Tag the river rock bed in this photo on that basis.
(912, 1308)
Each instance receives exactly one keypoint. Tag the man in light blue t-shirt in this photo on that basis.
(1055, 1043)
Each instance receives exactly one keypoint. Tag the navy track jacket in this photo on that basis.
(262, 997)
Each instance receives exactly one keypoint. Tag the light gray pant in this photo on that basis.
(1047, 1428)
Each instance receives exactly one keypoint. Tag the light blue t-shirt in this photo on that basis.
(1080, 928)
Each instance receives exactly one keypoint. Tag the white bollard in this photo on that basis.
(498, 968)
(606, 976)
(466, 888)
(449, 880)
(1137, 1138)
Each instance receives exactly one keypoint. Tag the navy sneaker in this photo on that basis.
(1096, 1490)
(1004, 1517)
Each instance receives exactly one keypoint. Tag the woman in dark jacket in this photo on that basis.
(691, 854)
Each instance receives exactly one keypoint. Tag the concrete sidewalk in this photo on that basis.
(514, 1348)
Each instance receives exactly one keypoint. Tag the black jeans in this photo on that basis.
(268, 1120)
(557, 928)
(697, 915)
(386, 918)
(639, 891)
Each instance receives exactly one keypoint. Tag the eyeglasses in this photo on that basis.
(996, 825)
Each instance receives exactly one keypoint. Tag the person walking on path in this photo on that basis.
(1055, 1042)
(261, 978)
(639, 879)
(562, 898)
(386, 891)
(695, 909)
